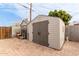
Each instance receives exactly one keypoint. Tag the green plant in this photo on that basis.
(66, 17)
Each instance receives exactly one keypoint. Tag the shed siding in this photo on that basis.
(29, 32)
(53, 32)
(62, 33)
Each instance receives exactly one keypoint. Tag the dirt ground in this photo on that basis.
(18, 47)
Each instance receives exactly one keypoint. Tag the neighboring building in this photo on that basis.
(76, 24)
(16, 28)
(24, 23)
(47, 31)
(24, 28)
(19, 27)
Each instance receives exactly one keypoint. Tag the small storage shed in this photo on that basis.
(47, 31)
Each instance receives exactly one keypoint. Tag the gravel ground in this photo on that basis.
(18, 47)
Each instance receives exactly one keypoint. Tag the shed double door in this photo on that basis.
(40, 33)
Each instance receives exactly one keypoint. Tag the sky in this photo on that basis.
(11, 13)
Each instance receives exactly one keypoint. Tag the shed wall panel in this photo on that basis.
(62, 33)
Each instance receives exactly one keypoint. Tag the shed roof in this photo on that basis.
(41, 15)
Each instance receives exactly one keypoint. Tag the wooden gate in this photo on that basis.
(5, 32)
(40, 33)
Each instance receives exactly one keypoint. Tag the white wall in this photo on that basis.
(62, 33)
(53, 29)
(15, 29)
(29, 32)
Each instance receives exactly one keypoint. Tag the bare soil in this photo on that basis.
(18, 47)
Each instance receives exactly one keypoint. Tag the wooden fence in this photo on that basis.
(5, 32)
(72, 32)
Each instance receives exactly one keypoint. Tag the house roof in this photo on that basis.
(24, 22)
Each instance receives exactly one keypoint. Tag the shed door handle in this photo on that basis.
(38, 33)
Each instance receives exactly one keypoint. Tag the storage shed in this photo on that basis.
(47, 31)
